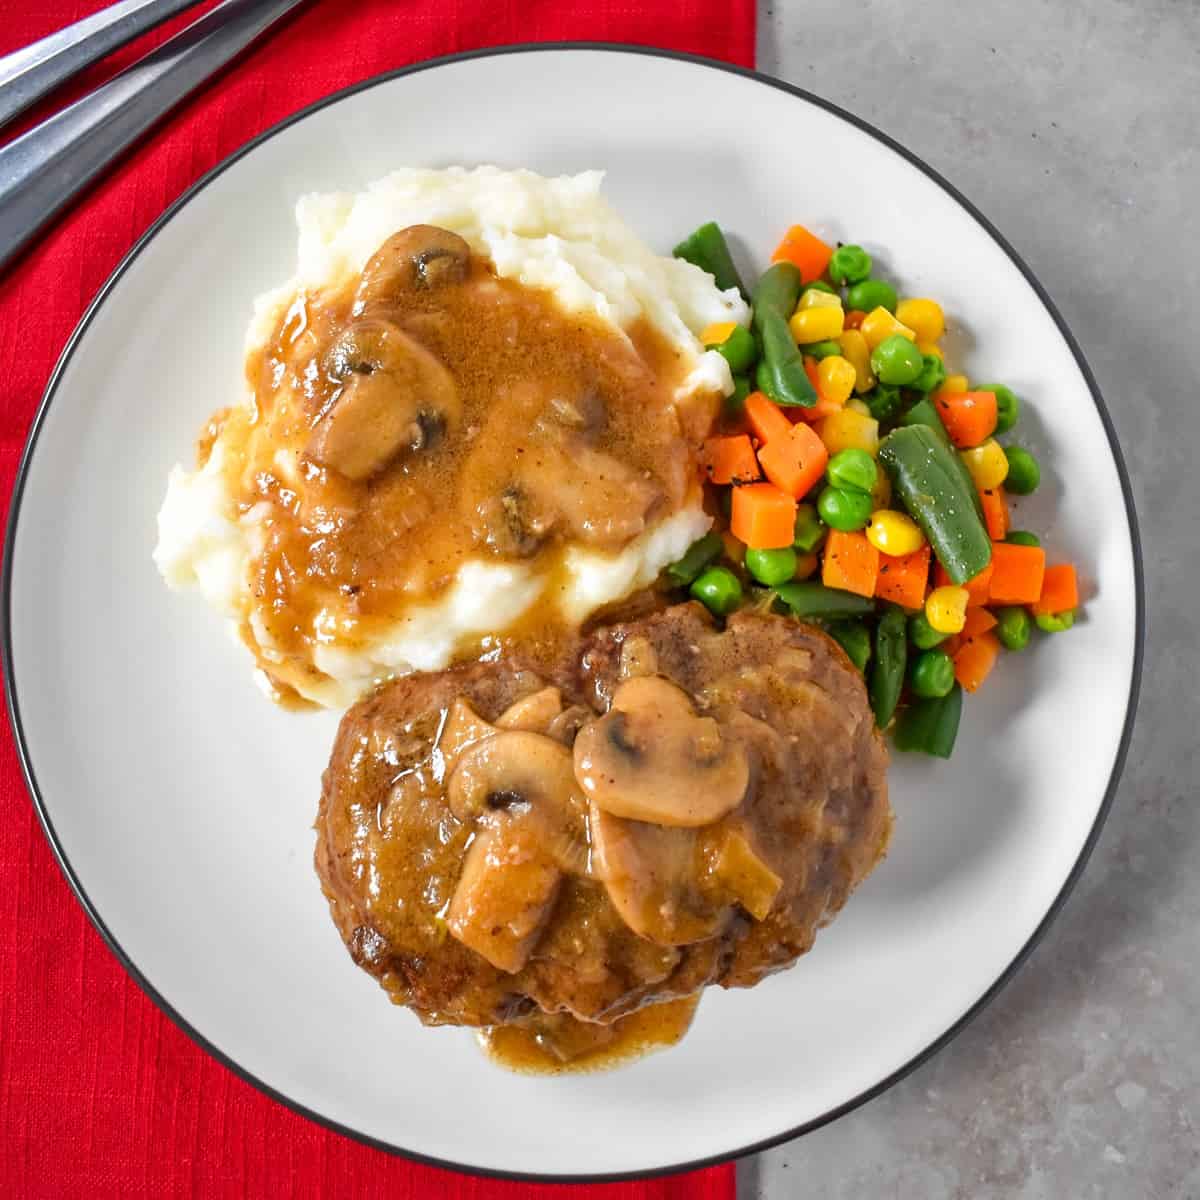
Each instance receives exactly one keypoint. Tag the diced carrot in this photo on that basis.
(763, 516)
(952, 645)
(978, 622)
(904, 580)
(1017, 573)
(806, 251)
(995, 512)
(730, 460)
(969, 417)
(796, 462)
(1060, 591)
(854, 319)
(851, 563)
(975, 659)
(977, 588)
(765, 417)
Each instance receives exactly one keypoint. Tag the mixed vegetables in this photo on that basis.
(862, 486)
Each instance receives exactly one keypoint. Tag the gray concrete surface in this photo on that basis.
(1075, 126)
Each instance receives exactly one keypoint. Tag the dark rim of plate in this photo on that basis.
(787, 1134)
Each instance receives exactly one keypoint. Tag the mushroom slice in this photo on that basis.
(534, 712)
(504, 896)
(395, 396)
(651, 758)
(463, 727)
(511, 768)
(739, 869)
(653, 878)
(416, 258)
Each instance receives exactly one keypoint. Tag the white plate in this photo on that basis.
(180, 802)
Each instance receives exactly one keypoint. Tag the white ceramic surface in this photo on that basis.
(182, 802)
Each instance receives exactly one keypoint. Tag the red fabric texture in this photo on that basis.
(100, 1095)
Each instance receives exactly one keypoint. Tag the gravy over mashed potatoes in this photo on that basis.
(472, 412)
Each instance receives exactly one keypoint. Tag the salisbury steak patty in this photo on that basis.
(666, 807)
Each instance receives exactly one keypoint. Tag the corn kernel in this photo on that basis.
(858, 354)
(924, 317)
(881, 493)
(931, 348)
(988, 464)
(836, 377)
(893, 533)
(810, 325)
(854, 404)
(848, 430)
(953, 383)
(806, 565)
(946, 609)
(879, 324)
(816, 298)
(717, 334)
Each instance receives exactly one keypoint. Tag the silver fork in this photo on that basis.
(41, 171)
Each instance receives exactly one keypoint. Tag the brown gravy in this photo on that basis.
(528, 1051)
(557, 406)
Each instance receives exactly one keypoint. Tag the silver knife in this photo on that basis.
(42, 170)
(29, 74)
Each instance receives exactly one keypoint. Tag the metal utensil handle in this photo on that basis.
(29, 74)
(44, 168)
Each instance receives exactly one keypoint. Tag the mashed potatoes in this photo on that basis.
(220, 522)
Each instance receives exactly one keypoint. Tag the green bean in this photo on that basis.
(849, 264)
(922, 634)
(780, 374)
(1055, 622)
(735, 403)
(1013, 628)
(871, 294)
(925, 413)
(884, 400)
(932, 674)
(707, 249)
(718, 589)
(810, 530)
(855, 638)
(887, 676)
(929, 726)
(809, 599)
(923, 475)
(698, 555)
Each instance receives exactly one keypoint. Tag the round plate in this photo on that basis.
(180, 802)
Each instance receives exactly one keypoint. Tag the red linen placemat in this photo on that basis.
(100, 1095)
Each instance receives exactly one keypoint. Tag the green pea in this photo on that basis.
(855, 639)
(843, 510)
(1008, 407)
(818, 285)
(735, 403)
(771, 566)
(810, 532)
(897, 360)
(852, 470)
(1022, 537)
(1013, 628)
(884, 401)
(932, 376)
(871, 294)
(1024, 474)
(932, 674)
(820, 350)
(1055, 622)
(719, 590)
(849, 264)
(739, 349)
(922, 634)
